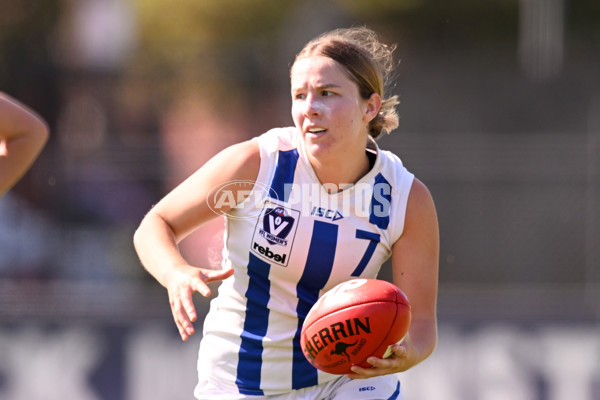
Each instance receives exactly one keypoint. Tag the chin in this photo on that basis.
(318, 150)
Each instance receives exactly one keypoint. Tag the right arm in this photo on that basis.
(177, 215)
(23, 134)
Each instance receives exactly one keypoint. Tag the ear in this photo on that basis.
(372, 106)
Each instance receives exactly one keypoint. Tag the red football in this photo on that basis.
(354, 320)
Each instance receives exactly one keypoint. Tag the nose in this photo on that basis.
(311, 107)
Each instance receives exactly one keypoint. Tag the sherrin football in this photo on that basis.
(352, 321)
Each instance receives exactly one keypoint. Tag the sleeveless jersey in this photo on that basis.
(289, 242)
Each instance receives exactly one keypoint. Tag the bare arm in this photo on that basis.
(415, 261)
(23, 135)
(178, 214)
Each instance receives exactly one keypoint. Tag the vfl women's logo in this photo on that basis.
(276, 226)
(274, 233)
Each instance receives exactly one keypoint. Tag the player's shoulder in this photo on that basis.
(394, 172)
(419, 191)
(420, 202)
(245, 158)
(240, 160)
(279, 139)
(390, 160)
(244, 151)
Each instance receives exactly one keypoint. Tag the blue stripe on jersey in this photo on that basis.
(284, 174)
(255, 327)
(395, 395)
(381, 202)
(317, 270)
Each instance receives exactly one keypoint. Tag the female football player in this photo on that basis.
(306, 208)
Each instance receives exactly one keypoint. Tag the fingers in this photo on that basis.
(217, 275)
(379, 367)
(184, 312)
(181, 296)
(400, 350)
(188, 306)
(382, 366)
(360, 373)
(198, 285)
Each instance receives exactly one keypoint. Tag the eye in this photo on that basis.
(299, 96)
(327, 93)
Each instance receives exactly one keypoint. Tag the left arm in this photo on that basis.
(23, 134)
(415, 261)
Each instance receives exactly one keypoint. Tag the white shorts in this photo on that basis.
(386, 387)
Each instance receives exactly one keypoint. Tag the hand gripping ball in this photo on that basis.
(354, 320)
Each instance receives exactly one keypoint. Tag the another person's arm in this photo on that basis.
(23, 134)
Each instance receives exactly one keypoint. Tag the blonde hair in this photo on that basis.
(368, 62)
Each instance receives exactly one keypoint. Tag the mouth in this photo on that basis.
(316, 131)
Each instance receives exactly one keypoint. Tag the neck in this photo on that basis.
(339, 173)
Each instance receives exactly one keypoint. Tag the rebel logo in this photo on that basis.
(268, 253)
(277, 225)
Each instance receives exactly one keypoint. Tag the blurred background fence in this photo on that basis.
(500, 117)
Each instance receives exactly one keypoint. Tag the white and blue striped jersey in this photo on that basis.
(289, 242)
